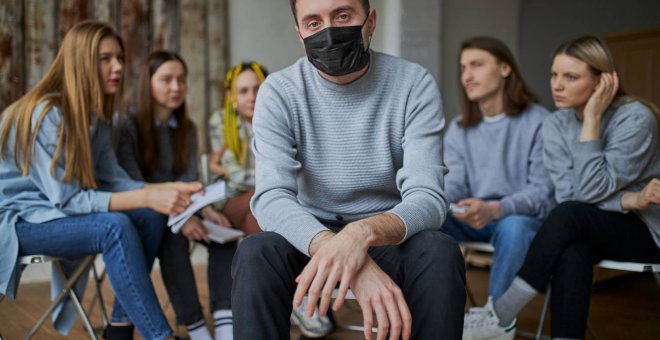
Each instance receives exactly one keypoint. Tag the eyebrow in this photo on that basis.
(334, 12)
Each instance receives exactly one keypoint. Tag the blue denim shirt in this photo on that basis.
(40, 197)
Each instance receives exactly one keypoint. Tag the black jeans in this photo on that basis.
(179, 279)
(571, 240)
(428, 267)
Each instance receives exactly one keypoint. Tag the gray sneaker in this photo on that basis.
(315, 326)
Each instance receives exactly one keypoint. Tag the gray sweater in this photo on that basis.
(501, 160)
(625, 158)
(346, 152)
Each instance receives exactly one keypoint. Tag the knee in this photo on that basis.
(435, 249)
(118, 226)
(514, 229)
(258, 251)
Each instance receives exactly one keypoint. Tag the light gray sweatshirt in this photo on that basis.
(625, 158)
(347, 152)
(501, 160)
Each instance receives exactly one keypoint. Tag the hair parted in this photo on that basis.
(146, 121)
(517, 95)
(72, 83)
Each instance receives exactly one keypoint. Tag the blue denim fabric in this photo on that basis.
(510, 236)
(124, 239)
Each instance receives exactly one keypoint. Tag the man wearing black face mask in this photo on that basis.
(349, 178)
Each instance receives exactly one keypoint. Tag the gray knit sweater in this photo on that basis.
(625, 158)
(346, 152)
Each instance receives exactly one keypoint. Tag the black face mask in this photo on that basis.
(337, 51)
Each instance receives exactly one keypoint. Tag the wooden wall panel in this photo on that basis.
(218, 54)
(165, 28)
(11, 46)
(40, 39)
(32, 30)
(194, 51)
(70, 13)
(135, 20)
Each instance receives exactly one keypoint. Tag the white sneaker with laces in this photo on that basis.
(482, 323)
(315, 326)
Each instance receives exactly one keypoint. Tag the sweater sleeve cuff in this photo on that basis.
(301, 238)
(102, 201)
(613, 203)
(507, 206)
(413, 220)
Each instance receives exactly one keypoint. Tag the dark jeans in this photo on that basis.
(179, 279)
(428, 267)
(571, 240)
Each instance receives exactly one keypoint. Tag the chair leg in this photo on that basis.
(539, 328)
(70, 282)
(98, 280)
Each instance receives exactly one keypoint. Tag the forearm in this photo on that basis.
(379, 230)
(630, 201)
(127, 200)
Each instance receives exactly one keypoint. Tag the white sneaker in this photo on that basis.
(315, 326)
(483, 324)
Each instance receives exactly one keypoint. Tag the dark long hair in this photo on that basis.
(146, 125)
(517, 95)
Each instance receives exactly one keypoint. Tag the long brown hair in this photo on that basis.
(594, 52)
(517, 95)
(146, 121)
(71, 83)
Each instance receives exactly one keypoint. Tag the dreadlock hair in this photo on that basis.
(232, 139)
(146, 125)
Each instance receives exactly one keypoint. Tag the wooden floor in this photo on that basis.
(626, 308)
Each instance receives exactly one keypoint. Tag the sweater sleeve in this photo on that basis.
(109, 174)
(535, 199)
(457, 186)
(557, 159)
(190, 173)
(421, 178)
(275, 203)
(604, 167)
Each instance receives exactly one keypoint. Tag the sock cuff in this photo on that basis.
(523, 285)
(195, 325)
(222, 313)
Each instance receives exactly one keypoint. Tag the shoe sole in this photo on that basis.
(305, 331)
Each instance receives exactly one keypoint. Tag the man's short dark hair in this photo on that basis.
(365, 5)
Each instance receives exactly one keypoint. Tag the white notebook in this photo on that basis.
(212, 193)
(220, 234)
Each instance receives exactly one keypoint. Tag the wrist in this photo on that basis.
(318, 241)
(359, 233)
(495, 209)
(630, 201)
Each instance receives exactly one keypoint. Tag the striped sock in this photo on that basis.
(224, 327)
(198, 331)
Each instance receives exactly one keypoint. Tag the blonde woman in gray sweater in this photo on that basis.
(602, 152)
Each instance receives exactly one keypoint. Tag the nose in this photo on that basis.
(557, 84)
(466, 75)
(117, 66)
(174, 85)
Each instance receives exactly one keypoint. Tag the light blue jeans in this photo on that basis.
(510, 236)
(128, 242)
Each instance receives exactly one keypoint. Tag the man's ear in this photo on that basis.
(371, 20)
(300, 38)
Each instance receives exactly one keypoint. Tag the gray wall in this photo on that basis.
(466, 18)
(545, 24)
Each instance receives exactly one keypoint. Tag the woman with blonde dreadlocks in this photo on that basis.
(237, 165)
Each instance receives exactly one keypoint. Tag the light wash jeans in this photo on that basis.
(510, 236)
(128, 242)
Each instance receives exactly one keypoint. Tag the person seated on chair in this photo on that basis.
(159, 144)
(235, 157)
(63, 193)
(602, 151)
(494, 153)
(349, 178)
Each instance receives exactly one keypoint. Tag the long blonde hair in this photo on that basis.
(595, 53)
(71, 83)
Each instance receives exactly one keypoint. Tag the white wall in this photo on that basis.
(264, 31)
(466, 18)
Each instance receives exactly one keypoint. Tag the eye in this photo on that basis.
(121, 59)
(571, 77)
(343, 17)
(313, 24)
